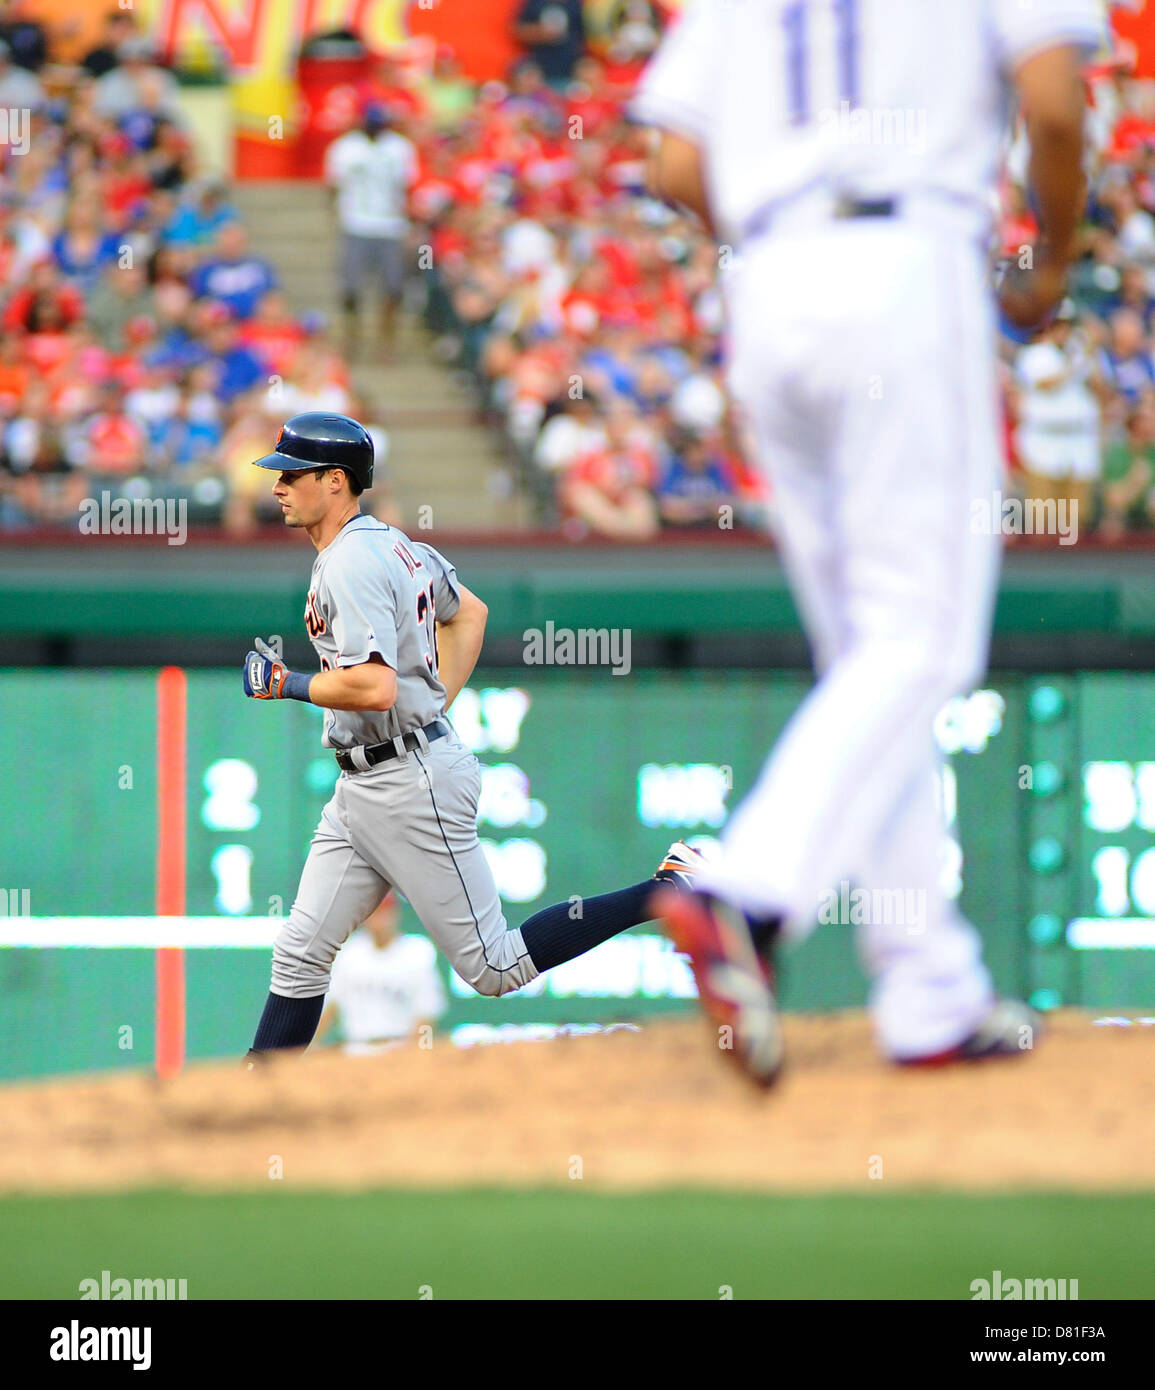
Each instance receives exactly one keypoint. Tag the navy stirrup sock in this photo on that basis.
(288, 1022)
(553, 935)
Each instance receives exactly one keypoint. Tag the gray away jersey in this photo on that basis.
(374, 590)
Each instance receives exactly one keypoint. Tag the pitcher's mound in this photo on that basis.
(653, 1108)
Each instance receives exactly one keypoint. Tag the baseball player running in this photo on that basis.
(847, 151)
(397, 635)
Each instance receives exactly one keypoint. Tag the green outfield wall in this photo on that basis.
(1049, 788)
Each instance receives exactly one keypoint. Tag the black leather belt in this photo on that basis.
(843, 209)
(865, 207)
(381, 752)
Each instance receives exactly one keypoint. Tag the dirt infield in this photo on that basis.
(623, 1110)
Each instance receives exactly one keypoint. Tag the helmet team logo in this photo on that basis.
(318, 439)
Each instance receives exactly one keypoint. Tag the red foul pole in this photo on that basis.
(171, 726)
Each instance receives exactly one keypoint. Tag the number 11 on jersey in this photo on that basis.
(796, 20)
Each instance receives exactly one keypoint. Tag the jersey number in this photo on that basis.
(427, 614)
(796, 24)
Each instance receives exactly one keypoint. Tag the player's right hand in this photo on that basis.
(263, 674)
(1027, 298)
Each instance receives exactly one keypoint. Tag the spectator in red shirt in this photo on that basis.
(436, 188)
(43, 286)
(15, 372)
(125, 184)
(609, 491)
(38, 457)
(626, 161)
(586, 304)
(47, 345)
(588, 98)
(1134, 134)
(386, 86)
(115, 442)
(635, 27)
(274, 334)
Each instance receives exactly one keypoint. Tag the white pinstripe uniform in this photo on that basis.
(863, 352)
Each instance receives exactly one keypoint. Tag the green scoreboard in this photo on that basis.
(1048, 787)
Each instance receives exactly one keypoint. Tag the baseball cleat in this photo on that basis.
(735, 984)
(680, 865)
(1009, 1030)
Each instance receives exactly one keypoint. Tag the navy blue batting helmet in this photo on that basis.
(317, 439)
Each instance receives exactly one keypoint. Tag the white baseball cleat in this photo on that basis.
(1010, 1029)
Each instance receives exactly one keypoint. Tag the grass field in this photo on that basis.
(549, 1244)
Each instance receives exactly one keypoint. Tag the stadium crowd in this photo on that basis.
(145, 344)
(554, 280)
(145, 349)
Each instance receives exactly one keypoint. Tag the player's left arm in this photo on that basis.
(677, 96)
(1044, 49)
(459, 641)
(675, 173)
(368, 685)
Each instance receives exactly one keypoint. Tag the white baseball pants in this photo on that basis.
(863, 355)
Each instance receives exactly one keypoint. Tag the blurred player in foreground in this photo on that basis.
(848, 153)
(385, 989)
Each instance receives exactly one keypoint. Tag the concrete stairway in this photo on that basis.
(440, 456)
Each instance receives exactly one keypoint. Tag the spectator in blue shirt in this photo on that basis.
(1126, 360)
(697, 481)
(237, 369)
(84, 248)
(613, 363)
(199, 218)
(1132, 294)
(233, 276)
(194, 433)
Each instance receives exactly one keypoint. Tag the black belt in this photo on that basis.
(843, 209)
(381, 752)
(865, 207)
